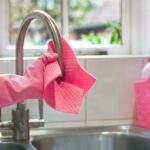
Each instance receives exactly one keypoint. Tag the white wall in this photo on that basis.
(110, 101)
(140, 26)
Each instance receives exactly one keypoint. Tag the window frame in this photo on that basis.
(9, 51)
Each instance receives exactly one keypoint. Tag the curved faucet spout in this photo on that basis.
(51, 26)
(20, 115)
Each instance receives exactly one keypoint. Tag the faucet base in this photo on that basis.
(20, 119)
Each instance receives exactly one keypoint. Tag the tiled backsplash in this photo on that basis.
(110, 101)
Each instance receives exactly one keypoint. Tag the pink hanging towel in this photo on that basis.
(142, 104)
(66, 95)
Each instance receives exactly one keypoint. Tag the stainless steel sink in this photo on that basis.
(96, 138)
(17, 146)
(100, 138)
(11, 146)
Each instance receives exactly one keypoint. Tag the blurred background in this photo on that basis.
(88, 21)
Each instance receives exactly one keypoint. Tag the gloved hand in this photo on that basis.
(16, 88)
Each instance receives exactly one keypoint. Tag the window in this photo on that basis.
(88, 25)
(37, 32)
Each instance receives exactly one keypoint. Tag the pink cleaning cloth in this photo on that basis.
(142, 103)
(66, 95)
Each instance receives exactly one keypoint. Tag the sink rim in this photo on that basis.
(79, 130)
(116, 129)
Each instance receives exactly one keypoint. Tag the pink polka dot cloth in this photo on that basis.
(66, 95)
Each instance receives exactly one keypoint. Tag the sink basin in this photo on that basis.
(17, 146)
(11, 146)
(99, 138)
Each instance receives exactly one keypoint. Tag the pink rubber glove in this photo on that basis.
(16, 88)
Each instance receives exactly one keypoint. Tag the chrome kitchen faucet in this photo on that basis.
(20, 123)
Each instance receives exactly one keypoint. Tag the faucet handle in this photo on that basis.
(40, 102)
(0, 114)
(35, 123)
